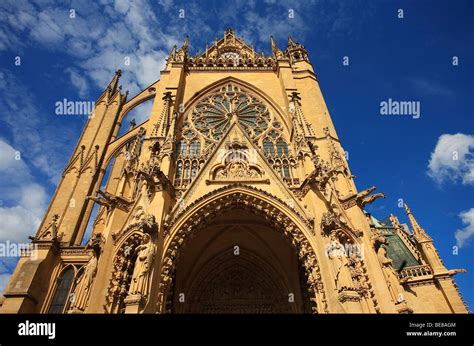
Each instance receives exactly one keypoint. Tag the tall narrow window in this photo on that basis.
(268, 147)
(62, 292)
(282, 148)
(182, 148)
(195, 148)
(286, 173)
(179, 170)
(186, 170)
(194, 168)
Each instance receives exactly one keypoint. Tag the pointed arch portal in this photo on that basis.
(240, 250)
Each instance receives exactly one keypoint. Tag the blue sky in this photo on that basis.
(72, 50)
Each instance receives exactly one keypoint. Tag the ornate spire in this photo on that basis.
(395, 223)
(113, 85)
(186, 43)
(291, 43)
(296, 51)
(277, 53)
(183, 52)
(163, 124)
(419, 232)
(301, 125)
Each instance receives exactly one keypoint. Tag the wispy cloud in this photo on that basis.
(99, 38)
(136, 36)
(79, 81)
(30, 129)
(429, 86)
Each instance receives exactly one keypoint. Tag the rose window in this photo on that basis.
(213, 115)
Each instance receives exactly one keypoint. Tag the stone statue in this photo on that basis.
(336, 252)
(141, 272)
(84, 283)
(390, 275)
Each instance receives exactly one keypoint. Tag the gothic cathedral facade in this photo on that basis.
(235, 196)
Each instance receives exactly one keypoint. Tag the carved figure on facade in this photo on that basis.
(340, 263)
(143, 264)
(391, 276)
(50, 232)
(84, 282)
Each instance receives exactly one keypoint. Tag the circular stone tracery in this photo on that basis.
(213, 115)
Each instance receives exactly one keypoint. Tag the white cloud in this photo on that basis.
(23, 201)
(22, 205)
(102, 34)
(98, 38)
(452, 159)
(462, 235)
(79, 81)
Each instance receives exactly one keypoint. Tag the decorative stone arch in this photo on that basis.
(237, 156)
(112, 151)
(145, 95)
(55, 284)
(286, 220)
(114, 147)
(335, 221)
(125, 243)
(201, 94)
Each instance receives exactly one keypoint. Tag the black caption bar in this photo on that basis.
(236, 329)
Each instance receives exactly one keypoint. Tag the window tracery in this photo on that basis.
(213, 115)
(209, 120)
(277, 152)
(60, 302)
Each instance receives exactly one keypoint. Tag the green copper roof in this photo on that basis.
(376, 222)
(397, 251)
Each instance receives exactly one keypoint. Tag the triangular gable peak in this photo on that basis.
(236, 159)
(228, 44)
(230, 52)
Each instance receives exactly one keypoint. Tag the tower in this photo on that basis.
(234, 196)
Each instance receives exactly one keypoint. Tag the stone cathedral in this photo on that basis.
(235, 196)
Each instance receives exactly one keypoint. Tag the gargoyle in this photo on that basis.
(361, 199)
(370, 199)
(365, 197)
(455, 271)
(110, 201)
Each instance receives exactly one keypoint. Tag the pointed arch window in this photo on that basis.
(282, 148)
(195, 148)
(286, 170)
(212, 116)
(194, 168)
(179, 170)
(186, 170)
(268, 147)
(61, 294)
(182, 148)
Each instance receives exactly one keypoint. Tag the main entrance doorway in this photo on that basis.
(238, 264)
